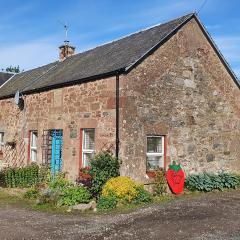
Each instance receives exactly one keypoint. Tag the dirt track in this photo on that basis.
(211, 216)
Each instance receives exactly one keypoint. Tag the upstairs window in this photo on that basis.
(155, 152)
(88, 146)
(1, 140)
(33, 145)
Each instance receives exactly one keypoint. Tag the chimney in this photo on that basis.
(66, 51)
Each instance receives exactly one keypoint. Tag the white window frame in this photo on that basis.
(84, 151)
(33, 148)
(156, 154)
(1, 140)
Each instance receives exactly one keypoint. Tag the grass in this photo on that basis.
(13, 199)
(16, 198)
(133, 207)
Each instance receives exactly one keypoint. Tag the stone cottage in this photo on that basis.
(162, 94)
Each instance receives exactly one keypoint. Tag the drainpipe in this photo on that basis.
(117, 115)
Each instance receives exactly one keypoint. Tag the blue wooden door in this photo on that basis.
(56, 160)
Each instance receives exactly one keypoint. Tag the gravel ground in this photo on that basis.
(203, 217)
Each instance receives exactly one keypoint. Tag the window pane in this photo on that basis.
(33, 145)
(86, 159)
(154, 145)
(1, 140)
(88, 142)
(154, 162)
(34, 155)
(34, 139)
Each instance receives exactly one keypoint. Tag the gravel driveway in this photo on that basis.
(206, 216)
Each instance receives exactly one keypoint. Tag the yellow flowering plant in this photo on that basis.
(123, 188)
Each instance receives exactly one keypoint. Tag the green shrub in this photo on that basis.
(49, 196)
(32, 193)
(59, 182)
(74, 195)
(143, 196)
(207, 182)
(237, 177)
(2, 179)
(160, 184)
(22, 177)
(103, 167)
(63, 192)
(105, 203)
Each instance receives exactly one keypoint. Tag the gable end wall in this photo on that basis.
(184, 92)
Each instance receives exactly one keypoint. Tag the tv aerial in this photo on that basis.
(66, 27)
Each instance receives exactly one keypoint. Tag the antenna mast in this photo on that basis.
(66, 27)
(66, 32)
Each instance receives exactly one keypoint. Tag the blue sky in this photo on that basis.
(30, 32)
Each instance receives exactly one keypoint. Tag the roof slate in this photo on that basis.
(4, 76)
(120, 55)
(101, 60)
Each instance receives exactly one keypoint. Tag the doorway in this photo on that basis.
(52, 149)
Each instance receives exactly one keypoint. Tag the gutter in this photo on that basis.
(69, 83)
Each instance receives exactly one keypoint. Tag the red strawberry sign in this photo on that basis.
(175, 178)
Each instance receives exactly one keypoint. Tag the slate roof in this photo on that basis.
(117, 56)
(4, 76)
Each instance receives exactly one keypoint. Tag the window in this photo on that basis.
(88, 146)
(1, 140)
(155, 152)
(33, 145)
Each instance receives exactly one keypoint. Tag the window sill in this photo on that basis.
(151, 173)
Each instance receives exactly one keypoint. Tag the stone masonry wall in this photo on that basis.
(181, 91)
(184, 92)
(88, 105)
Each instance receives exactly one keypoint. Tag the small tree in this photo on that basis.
(13, 69)
(103, 167)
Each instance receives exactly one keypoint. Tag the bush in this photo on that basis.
(2, 179)
(143, 196)
(160, 185)
(59, 182)
(208, 182)
(22, 177)
(49, 196)
(237, 177)
(105, 203)
(63, 192)
(32, 193)
(103, 167)
(124, 190)
(74, 195)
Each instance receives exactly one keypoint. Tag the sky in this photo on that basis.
(32, 30)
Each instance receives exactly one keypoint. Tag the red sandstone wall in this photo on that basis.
(88, 105)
